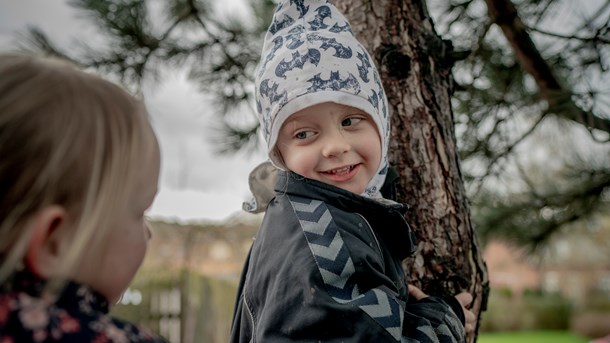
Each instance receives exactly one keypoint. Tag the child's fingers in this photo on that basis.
(471, 320)
(465, 299)
(417, 293)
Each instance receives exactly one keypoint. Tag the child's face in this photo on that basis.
(127, 240)
(331, 143)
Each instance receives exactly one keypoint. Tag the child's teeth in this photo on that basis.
(335, 171)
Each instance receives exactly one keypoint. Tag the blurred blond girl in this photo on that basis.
(79, 166)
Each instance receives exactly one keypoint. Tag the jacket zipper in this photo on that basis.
(376, 240)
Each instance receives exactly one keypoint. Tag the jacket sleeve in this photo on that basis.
(433, 319)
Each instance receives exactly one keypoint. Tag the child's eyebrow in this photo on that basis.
(295, 122)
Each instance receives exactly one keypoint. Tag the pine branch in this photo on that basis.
(505, 15)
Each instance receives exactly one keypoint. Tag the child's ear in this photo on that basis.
(45, 246)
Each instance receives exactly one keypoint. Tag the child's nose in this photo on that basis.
(336, 144)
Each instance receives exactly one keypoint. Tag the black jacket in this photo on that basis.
(326, 267)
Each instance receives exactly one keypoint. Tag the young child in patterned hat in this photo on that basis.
(326, 262)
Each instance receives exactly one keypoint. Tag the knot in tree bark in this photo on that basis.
(395, 63)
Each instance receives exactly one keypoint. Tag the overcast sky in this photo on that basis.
(195, 183)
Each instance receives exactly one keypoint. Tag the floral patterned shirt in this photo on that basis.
(79, 315)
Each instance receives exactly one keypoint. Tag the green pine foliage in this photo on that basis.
(533, 159)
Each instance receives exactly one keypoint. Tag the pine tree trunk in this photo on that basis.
(415, 67)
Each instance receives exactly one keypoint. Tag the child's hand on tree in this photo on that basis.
(464, 298)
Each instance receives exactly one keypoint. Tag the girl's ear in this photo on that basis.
(45, 247)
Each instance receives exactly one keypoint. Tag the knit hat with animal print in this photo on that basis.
(310, 56)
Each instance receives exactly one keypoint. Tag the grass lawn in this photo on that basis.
(531, 337)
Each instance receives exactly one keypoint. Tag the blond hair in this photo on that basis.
(67, 138)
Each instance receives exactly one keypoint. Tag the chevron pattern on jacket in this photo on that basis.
(337, 268)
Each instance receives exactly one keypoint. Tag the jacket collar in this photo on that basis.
(385, 216)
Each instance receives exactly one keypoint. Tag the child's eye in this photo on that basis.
(350, 121)
(303, 134)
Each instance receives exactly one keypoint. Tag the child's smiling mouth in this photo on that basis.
(342, 174)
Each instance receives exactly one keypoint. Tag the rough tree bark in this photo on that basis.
(415, 66)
